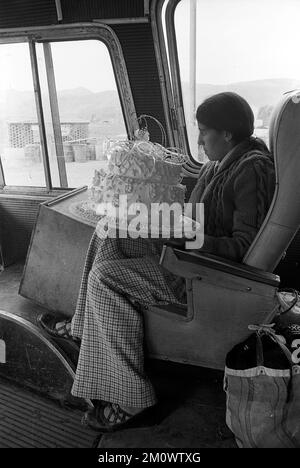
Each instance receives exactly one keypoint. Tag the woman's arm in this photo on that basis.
(253, 189)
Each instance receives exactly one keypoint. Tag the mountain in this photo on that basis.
(79, 103)
(80, 91)
(83, 104)
(265, 92)
(258, 93)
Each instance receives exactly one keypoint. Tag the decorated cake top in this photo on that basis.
(143, 160)
(145, 172)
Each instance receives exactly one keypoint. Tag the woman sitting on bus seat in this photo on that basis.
(236, 187)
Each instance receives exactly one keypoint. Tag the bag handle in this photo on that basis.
(267, 329)
(294, 302)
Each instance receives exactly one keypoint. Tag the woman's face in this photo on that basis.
(214, 142)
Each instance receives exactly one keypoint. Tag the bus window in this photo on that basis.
(60, 107)
(88, 107)
(20, 148)
(246, 47)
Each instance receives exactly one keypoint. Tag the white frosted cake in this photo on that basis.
(143, 171)
(138, 170)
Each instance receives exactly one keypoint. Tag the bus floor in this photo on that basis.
(190, 412)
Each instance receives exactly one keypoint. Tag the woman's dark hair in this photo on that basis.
(227, 111)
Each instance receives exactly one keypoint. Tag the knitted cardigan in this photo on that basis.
(236, 193)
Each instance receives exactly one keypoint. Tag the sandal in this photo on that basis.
(49, 323)
(106, 416)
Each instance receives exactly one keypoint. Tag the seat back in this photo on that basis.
(283, 219)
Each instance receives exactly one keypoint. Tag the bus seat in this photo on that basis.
(283, 219)
(224, 297)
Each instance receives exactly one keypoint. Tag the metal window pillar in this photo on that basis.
(175, 74)
(40, 113)
(58, 10)
(2, 178)
(146, 7)
(193, 60)
(55, 115)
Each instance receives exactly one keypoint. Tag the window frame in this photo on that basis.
(172, 78)
(67, 33)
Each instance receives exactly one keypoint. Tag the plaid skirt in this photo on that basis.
(118, 273)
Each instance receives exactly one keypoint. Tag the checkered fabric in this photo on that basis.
(118, 273)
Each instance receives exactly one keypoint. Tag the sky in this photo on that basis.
(241, 40)
(77, 64)
(237, 40)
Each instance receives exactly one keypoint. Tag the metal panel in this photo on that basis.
(56, 256)
(220, 305)
(143, 73)
(18, 215)
(33, 360)
(84, 11)
(14, 13)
